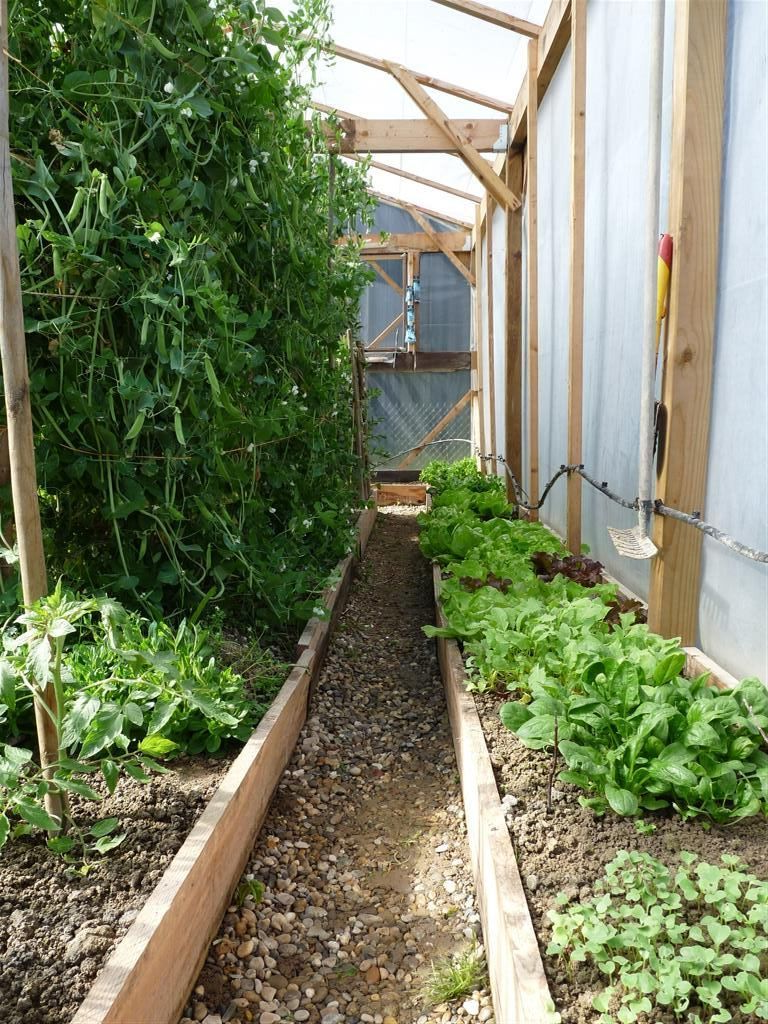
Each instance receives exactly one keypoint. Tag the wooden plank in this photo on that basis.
(518, 983)
(416, 241)
(478, 432)
(696, 663)
(435, 432)
(553, 39)
(20, 433)
(149, 975)
(444, 249)
(492, 466)
(383, 334)
(460, 140)
(421, 362)
(435, 214)
(412, 135)
(429, 182)
(385, 277)
(494, 17)
(428, 80)
(401, 494)
(694, 217)
(514, 328)
(576, 303)
(533, 282)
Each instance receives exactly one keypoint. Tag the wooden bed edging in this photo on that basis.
(518, 984)
(150, 973)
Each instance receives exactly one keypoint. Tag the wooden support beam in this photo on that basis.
(407, 241)
(419, 362)
(385, 277)
(437, 430)
(441, 186)
(411, 135)
(403, 204)
(493, 17)
(460, 140)
(553, 39)
(490, 340)
(694, 215)
(444, 249)
(533, 280)
(427, 80)
(514, 328)
(576, 303)
(383, 334)
(478, 434)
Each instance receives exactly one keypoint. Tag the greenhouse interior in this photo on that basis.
(384, 512)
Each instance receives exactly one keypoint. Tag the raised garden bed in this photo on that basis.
(149, 973)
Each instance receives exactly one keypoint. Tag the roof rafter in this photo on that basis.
(444, 249)
(422, 79)
(493, 16)
(405, 205)
(408, 135)
(401, 173)
(479, 167)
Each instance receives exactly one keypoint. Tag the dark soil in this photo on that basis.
(57, 929)
(568, 850)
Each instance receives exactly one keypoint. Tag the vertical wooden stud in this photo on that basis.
(479, 389)
(513, 326)
(694, 216)
(491, 355)
(21, 445)
(576, 312)
(533, 277)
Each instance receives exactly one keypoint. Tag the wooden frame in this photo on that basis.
(478, 434)
(576, 300)
(533, 280)
(151, 971)
(403, 204)
(420, 362)
(493, 17)
(435, 432)
(433, 83)
(518, 983)
(694, 218)
(409, 134)
(553, 39)
(435, 236)
(459, 139)
(490, 340)
(400, 494)
(513, 325)
(429, 182)
(383, 334)
(386, 277)
(416, 241)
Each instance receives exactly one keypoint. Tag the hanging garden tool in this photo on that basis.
(660, 410)
(635, 542)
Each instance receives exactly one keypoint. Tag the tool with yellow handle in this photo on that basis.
(662, 284)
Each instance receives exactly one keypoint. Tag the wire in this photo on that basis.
(690, 519)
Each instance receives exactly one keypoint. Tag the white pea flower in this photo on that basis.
(252, 165)
(233, 182)
(250, 447)
(283, 403)
(303, 408)
(307, 523)
(154, 237)
(273, 510)
(168, 88)
(186, 111)
(295, 389)
(318, 610)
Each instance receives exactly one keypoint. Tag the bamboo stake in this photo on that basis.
(21, 448)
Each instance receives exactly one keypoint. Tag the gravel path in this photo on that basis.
(363, 856)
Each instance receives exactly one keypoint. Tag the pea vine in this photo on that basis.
(184, 302)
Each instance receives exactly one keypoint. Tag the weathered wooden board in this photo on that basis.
(518, 983)
(149, 975)
(401, 494)
(697, 662)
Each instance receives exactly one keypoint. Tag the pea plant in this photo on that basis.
(693, 942)
(185, 300)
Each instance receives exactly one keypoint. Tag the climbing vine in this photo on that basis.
(185, 302)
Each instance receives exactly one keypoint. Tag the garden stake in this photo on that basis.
(21, 446)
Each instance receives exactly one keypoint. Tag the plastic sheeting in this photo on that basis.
(445, 306)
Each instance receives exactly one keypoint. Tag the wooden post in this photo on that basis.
(479, 388)
(533, 278)
(493, 467)
(576, 313)
(513, 326)
(694, 215)
(21, 445)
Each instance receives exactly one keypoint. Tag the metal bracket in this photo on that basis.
(501, 145)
